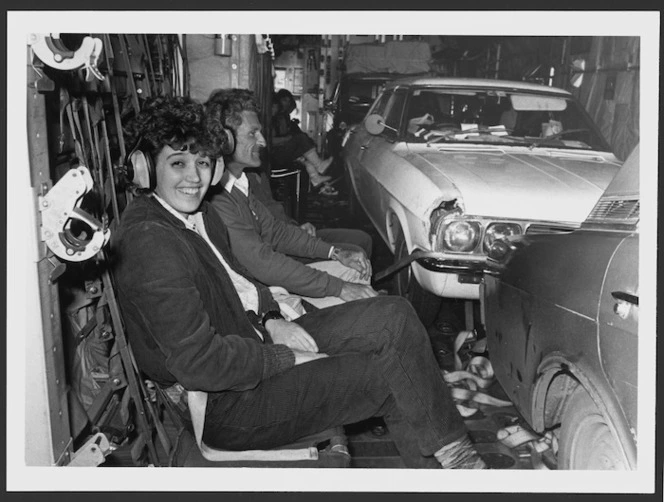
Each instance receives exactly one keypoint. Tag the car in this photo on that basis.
(446, 166)
(561, 320)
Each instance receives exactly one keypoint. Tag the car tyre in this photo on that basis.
(586, 441)
(426, 304)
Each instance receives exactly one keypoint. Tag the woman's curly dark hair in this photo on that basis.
(173, 121)
(224, 108)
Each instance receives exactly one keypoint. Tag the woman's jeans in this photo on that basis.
(380, 364)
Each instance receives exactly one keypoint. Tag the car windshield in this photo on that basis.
(499, 117)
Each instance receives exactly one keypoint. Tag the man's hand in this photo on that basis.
(290, 334)
(351, 291)
(309, 228)
(304, 357)
(356, 260)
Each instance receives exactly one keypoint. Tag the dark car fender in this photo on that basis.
(541, 319)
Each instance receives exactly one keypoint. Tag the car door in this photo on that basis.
(618, 324)
(357, 144)
(379, 161)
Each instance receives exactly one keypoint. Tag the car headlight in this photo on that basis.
(499, 231)
(461, 236)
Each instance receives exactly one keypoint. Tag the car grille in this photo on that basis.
(620, 211)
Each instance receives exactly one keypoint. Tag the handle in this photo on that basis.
(626, 297)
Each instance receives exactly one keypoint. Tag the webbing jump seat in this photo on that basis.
(325, 449)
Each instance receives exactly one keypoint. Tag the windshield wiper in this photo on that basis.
(560, 134)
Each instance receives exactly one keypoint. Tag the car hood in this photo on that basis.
(547, 186)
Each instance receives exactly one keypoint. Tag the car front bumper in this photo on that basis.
(450, 278)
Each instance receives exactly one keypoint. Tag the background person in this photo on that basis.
(290, 144)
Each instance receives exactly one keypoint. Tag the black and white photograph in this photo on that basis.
(309, 254)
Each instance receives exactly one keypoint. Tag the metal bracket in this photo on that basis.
(92, 453)
(50, 49)
(59, 207)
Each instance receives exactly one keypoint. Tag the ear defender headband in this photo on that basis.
(141, 167)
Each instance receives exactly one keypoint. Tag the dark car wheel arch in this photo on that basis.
(558, 379)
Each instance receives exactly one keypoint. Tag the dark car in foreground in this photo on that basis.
(561, 316)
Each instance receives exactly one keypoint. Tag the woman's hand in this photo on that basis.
(291, 334)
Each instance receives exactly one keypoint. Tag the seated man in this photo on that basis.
(259, 241)
(193, 317)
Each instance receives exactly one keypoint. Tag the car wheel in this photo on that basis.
(586, 440)
(426, 304)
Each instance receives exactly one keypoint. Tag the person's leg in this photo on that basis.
(349, 238)
(380, 364)
(291, 150)
(311, 157)
(388, 329)
(315, 177)
(303, 400)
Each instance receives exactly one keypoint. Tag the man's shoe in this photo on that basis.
(460, 454)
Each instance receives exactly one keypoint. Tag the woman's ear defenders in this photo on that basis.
(141, 169)
(218, 171)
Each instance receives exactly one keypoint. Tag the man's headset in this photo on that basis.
(141, 168)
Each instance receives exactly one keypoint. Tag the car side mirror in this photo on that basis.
(376, 125)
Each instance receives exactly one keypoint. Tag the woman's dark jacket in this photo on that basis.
(183, 317)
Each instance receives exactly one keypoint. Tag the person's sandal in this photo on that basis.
(326, 189)
(460, 454)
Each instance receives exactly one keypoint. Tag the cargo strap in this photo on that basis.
(515, 436)
(468, 382)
